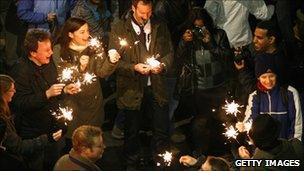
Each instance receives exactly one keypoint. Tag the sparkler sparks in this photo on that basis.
(65, 113)
(167, 156)
(123, 42)
(67, 74)
(231, 132)
(153, 62)
(94, 43)
(89, 78)
(232, 108)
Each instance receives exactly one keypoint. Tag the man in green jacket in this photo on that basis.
(140, 84)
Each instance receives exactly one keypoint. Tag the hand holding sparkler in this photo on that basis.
(244, 153)
(71, 89)
(54, 90)
(114, 56)
(187, 160)
(142, 68)
(55, 136)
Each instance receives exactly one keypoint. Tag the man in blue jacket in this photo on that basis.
(45, 14)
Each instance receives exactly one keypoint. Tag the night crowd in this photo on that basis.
(169, 69)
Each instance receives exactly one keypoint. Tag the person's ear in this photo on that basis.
(133, 8)
(33, 54)
(71, 35)
(272, 39)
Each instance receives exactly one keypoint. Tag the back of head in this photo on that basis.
(265, 132)
(218, 164)
(84, 136)
(32, 38)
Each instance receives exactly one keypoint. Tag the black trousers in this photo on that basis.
(160, 124)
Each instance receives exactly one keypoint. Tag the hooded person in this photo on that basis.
(264, 134)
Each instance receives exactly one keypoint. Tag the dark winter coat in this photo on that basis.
(130, 84)
(32, 108)
(87, 105)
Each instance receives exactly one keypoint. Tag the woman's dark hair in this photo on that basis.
(200, 13)
(5, 84)
(71, 25)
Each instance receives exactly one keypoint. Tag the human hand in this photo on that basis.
(114, 56)
(142, 68)
(239, 65)
(71, 89)
(54, 136)
(187, 160)
(51, 16)
(54, 90)
(244, 153)
(188, 36)
(240, 126)
(206, 36)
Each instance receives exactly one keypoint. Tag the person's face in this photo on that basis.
(97, 150)
(142, 12)
(43, 53)
(199, 23)
(9, 94)
(268, 80)
(261, 41)
(80, 36)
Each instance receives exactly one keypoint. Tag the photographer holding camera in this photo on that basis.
(203, 56)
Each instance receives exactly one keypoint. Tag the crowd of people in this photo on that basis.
(170, 61)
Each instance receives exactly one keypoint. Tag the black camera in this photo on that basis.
(241, 54)
(198, 32)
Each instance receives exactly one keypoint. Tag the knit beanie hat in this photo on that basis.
(264, 64)
(264, 131)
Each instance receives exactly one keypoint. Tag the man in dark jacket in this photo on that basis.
(140, 85)
(37, 94)
(264, 134)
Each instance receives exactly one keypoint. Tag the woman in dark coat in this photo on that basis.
(13, 146)
(74, 50)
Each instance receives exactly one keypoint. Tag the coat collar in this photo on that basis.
(83, 160)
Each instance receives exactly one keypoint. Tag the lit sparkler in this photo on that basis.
(167, 156)
(94, 43)
(64, 112)
(67, 74)
(89, 78)
(153, 62)
(231, 132)
(232, 108)
(123, 42)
